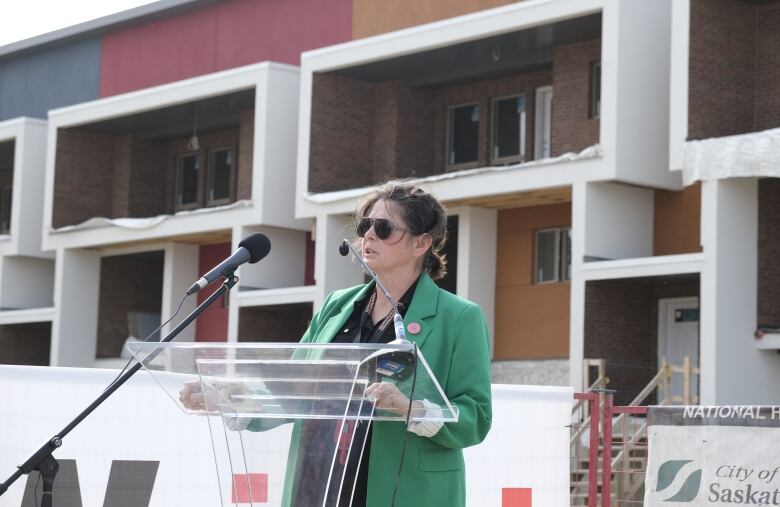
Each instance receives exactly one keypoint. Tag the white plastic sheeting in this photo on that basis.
(527, 449)
(747, 155)
(149, 222)
(593, 151)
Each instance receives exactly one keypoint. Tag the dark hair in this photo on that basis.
(422, 213)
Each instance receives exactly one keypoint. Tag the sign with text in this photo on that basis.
(705, 456)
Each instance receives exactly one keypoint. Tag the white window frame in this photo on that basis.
(494, 159)
(447, 150)
(177, 196)
(209, 171)
(543, 123)
(561, 273)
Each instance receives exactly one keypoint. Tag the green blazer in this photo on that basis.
(454, 340)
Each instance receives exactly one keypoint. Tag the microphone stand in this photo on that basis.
(43, 461)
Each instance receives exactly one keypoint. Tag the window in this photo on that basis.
(219, 180)
(553, 255)
(6, 184)
(594, 108)
(187, 181)
(463, 135)
(508, 132)
(6, 191)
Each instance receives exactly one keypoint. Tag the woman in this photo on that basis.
(402, 231)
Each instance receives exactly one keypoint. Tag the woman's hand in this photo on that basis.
(196, 396)
(389, 397)
(192, 397)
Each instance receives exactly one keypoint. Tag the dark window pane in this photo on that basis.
(566, 254)
(508, 117)
(546, 253)
(595, 90)
(464, 134)
(5, 209)
(187, 180)
(219, 175)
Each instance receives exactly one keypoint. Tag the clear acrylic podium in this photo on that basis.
(288, 422)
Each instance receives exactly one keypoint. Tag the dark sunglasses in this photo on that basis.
(383, 227)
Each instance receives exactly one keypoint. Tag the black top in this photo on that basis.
(359, 328)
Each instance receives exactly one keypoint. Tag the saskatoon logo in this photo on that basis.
(668, 472)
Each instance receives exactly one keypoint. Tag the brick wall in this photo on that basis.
(128, 176)
(769, 252)
(721, 68)
(767, 114)
(122, 171)
(246, 147)
(572, 129)
(148, 165)
(122, 290)
(341, 140)
(734, 68)
(277, 323)
(83, 181)
(403, 128)
(26, 344)
(621, 326)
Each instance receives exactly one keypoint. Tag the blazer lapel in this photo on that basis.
(422, 309)
(334, 324)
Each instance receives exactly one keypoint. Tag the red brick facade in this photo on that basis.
(82, 184)
(769, 252)
(572, 127)
(98, 175)
(122, 290)
(341, 141)
(734, 68)
(621, 326)
(27, 344)
(277, 323)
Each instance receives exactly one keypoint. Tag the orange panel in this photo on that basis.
(531, 321)
(677, 218)
(372, 17)
(515, 260)
(534, 217)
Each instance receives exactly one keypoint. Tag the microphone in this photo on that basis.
(398, 322)
(251, 249)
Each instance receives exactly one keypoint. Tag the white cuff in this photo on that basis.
(427, 428)
(235, 423)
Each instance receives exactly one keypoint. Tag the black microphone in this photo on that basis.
(251, 249)
(398, 322)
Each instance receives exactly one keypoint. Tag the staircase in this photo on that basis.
(622, 431)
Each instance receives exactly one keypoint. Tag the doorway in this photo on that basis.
(678, 338)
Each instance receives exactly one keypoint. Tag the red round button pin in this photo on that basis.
(413, 328)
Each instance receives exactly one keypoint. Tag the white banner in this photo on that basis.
(138, 449)
(707, 456)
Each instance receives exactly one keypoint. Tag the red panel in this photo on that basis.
(516, 497)
(219, 37)
(250, 488)
(212, 324)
